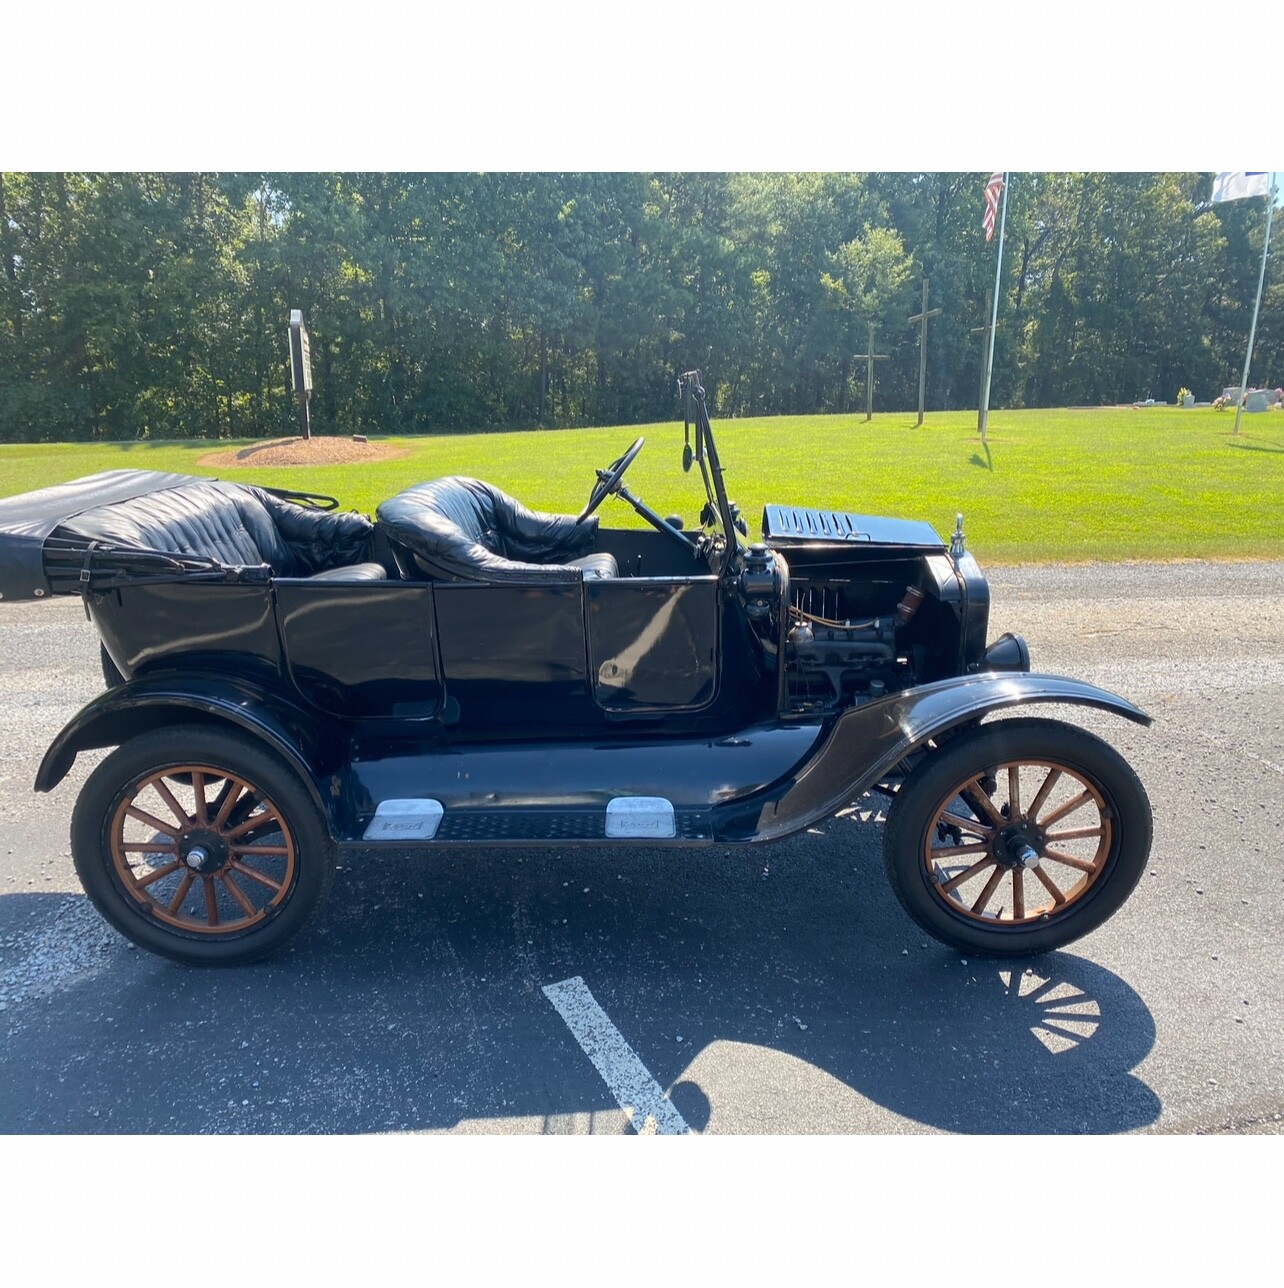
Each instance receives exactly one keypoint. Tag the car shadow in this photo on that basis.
(415, 1002)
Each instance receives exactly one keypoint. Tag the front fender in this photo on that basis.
(311, 747)
(868, 741)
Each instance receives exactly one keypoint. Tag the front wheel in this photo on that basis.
(201, 845)
(1017, 837)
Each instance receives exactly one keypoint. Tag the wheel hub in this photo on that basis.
(1018, 845)
(203, 851)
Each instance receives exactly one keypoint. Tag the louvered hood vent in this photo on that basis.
(791, 525)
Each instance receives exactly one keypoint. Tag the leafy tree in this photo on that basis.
(155, 305)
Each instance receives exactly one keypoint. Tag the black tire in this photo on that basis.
(957, 805)
(111, 673)
(232, 883)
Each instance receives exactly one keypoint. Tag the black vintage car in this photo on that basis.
(287, 682)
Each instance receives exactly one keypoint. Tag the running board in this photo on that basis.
(633, 819)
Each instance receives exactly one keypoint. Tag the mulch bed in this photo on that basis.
(302, 451)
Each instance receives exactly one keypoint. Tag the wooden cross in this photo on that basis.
(870, 358)
(985, 355)
(921, 319)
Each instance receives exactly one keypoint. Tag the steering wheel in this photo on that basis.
(608, 480)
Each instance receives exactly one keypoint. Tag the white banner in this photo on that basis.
(1230, 185)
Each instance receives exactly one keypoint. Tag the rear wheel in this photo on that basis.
(201, 845)
(1017, 837)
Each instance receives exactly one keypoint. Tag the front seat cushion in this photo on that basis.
(462, 529)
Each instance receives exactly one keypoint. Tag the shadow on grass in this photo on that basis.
(1254, 443)
(986, 462)
(164, 444)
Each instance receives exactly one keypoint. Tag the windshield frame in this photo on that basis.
(691, 387)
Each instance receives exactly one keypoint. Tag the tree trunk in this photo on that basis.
(543, 376)
(10, 265)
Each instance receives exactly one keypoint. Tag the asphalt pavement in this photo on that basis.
(774, 989)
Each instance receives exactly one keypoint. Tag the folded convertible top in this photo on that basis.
(27, 519)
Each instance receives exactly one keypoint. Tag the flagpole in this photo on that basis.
(994, 317)
(1261, 278)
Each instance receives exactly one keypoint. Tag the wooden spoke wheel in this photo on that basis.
(202, 849)
(1017, 842)
(1017, 837)
(200, 844)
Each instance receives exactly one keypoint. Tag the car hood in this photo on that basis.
(791, 525)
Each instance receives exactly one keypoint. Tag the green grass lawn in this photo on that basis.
(1108, 484)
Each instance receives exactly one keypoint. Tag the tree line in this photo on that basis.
(156, 305)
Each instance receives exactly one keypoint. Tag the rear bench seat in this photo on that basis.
(240, 526)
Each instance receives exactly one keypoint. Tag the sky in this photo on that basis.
(675, 85)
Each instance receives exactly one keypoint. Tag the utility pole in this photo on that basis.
(921, 319)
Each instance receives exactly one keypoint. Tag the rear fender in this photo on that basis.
(867, 743)
(313, 749)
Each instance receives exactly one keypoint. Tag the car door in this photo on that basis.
(653, 643)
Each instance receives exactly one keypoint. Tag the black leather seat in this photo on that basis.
(238, 525)
(460, 529)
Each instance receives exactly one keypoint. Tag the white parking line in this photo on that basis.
(638, 1094)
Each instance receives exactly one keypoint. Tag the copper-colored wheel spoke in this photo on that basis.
(1014, 792)
(250, 825)
(198, 790)
(1082, 864)
(181, 893)
(1068, 808)
(211, 901)
(972, 825)
(990, 886)
(1075, 834)
(1049, 885)
(149, 847)
(985, 802)
(238, 894)
(168, 797)
(1018, 894)
(151, 820)
(949, 851)
(156, 875)
(1054, 776)
(256, 876)
(226, 802)
(259, 849)
(955, 881)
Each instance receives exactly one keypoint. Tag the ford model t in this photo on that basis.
(287, 683)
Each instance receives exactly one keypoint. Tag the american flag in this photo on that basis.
(992, 191)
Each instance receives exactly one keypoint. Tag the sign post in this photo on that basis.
(301, 369)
